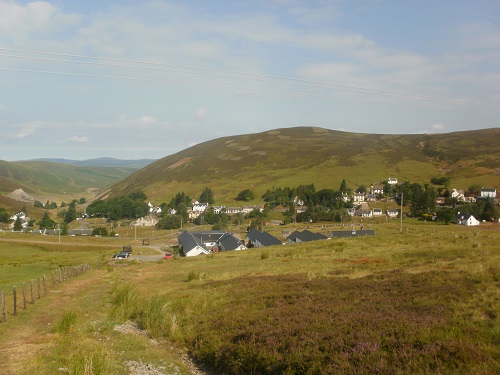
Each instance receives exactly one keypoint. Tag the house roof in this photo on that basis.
(80, 232)
(464, 216)
(351, 233)
(306, 236)
(264, 238)
(229, 242)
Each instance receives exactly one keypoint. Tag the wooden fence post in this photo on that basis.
(32, 293)
(15, 299)
(44, 286)
(3, 307)
(24, 296)
(38, 288)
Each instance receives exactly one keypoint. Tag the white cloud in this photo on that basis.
(124, 121)
(147, 120)
(201, 113)
(24, 131)
(34, 18)
(435, 128)
(78, 139)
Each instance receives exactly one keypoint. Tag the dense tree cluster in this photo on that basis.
(245, 195)
(4, 216)
(131, 206)
(47, 222)
(207, 196)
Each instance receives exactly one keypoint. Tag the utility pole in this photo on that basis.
(401, 215)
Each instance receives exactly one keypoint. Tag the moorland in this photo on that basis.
(424, 301)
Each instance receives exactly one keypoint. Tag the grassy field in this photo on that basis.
(425, 301)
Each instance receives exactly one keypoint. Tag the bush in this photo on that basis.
(100, 231)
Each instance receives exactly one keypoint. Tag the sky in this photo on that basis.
(145, 79)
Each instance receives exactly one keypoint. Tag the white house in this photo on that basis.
(392, 181)
(200, 207)
(218, 209)
(466, 219)
(377, 212)
(376, 189)
(488, 193)
(392, 213)
(359, 197)
(458, 194)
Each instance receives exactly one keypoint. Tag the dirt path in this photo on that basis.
(31, 332)
(30, 344)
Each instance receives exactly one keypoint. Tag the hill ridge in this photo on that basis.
(304, 155)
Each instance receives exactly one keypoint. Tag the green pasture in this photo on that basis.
(25, 257)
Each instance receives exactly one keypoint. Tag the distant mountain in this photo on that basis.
(102, 162)
(42, 178)
(305, 155)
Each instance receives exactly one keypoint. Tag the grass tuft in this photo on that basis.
(67, 322)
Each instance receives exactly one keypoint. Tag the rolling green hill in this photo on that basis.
(305, 155)
(47, 178)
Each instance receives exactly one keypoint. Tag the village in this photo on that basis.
(359, 204)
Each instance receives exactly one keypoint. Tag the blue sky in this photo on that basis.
(146, 79)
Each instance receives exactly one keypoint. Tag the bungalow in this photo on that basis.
(80, 232)
(233, 210)
(377, 212)
(376, 189)
(196, 243)
(488, 193)
(359, 197)
(466, 219)
(345, 197)
(200, 207)
(392, 181)
(305, 236)
(229, 242)
(458, 194)
(363, 213)
(371, 198)
(191, 245)
(219, 209)
(351, 233)
(393, 213)
(255, 238)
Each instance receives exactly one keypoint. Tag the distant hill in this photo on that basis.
(41, 178)
(305, 155)
(103, 162)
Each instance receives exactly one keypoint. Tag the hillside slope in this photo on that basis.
(305, 155)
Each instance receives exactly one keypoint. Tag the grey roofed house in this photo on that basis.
(261, 239)
(351, 233)
(305, 236)
(80, 232)
(229, 242)
(191, 245)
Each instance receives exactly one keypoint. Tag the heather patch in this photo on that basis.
(384, 323)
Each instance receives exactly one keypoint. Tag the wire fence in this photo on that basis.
(36, 289)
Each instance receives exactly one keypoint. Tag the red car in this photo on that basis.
(168, 256)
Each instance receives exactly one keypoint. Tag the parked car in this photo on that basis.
(168, 255)
(121, 255)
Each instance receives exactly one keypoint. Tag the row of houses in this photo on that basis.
(207, 242)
